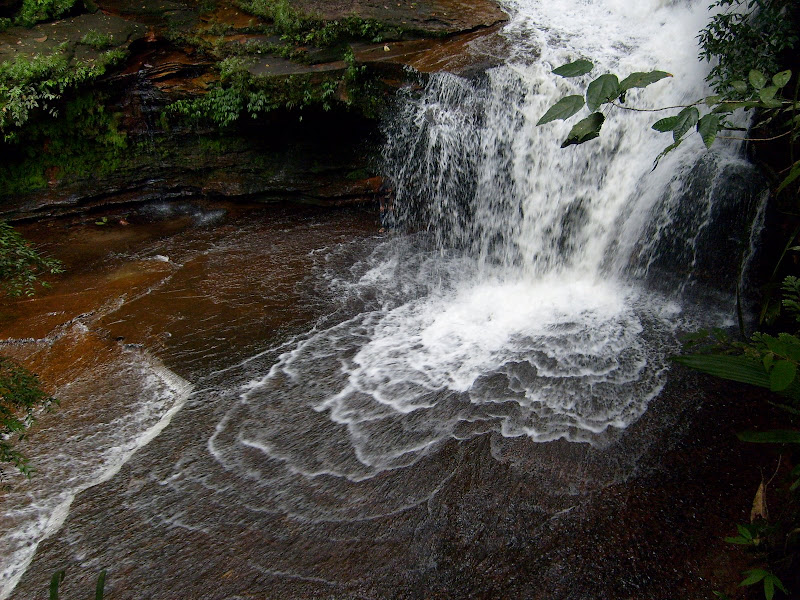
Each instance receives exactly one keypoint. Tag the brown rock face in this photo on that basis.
(437, 16)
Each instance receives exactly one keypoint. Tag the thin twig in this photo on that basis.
(656, 109)
(769, 139)
(778, 468)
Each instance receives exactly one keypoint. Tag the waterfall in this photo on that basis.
(522, 299)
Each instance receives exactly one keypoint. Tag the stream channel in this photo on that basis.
(280, 402)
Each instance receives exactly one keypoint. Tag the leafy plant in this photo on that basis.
(38, 83)
(21, 396)
(97, 40)
(754, 576)
(21, 265)
(35, 11)
(745, 35)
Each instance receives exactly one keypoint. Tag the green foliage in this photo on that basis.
(563, 109)
(97, 40)
(303, 29)
(35, 11)
(574, 69)
(608, 89)
(58, 577)
(38, 83)
(21, 396)
(87, 140)
(585, 130)
(752, 535)
(242, 94)
(21, 265)
(754, 576)
(745, 35)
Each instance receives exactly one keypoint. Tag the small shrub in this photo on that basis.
(97, 40)
(21, 396)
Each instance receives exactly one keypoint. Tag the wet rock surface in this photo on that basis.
(210, 292)
(174, 49)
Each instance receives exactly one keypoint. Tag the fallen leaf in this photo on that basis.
(41, 39)
(386, 48)
(759, 504)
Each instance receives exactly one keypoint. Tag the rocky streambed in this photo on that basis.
(170, 312)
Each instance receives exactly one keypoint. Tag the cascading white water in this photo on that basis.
(518, 307)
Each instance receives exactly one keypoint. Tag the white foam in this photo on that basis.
(73, 458)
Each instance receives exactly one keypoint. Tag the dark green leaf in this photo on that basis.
(101, 583)
(767, 93)
(640, 80)
(755, 575)
(793, 174)
(666, 151)
(779, 584)
(585, 130)
(757, 79)
(57, 578)
(771, 103)
(739, 86)
(734, 368)
(777, 436)
(782, 78)
(739, 541)
(687, 119)
(707, 127)
(782, 375)
(744, 532)
(574, 69)
(563, 109)
(603, 89)
(769, 588)
(664, 125)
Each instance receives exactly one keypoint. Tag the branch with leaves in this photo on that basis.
(760, 92)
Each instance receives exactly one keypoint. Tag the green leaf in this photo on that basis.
(563, 109)
(744, 532)
(734, 368)
(755, 575)
(666, 151)
(574, 69)
(712, 100)
(687, 119)
(782, 375)
(603, 89)
(707, 127)
(782, 78)
(739, 86)
(57, 578)
(665, 125)
(769, 588)
(757, 79)
(771, 103)
(739, 541)
(585, 130)
(641, 80)
(779, 584)
(777, 436)
(732, 106)
(768, 93)
(793, 174)
(101, 583)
